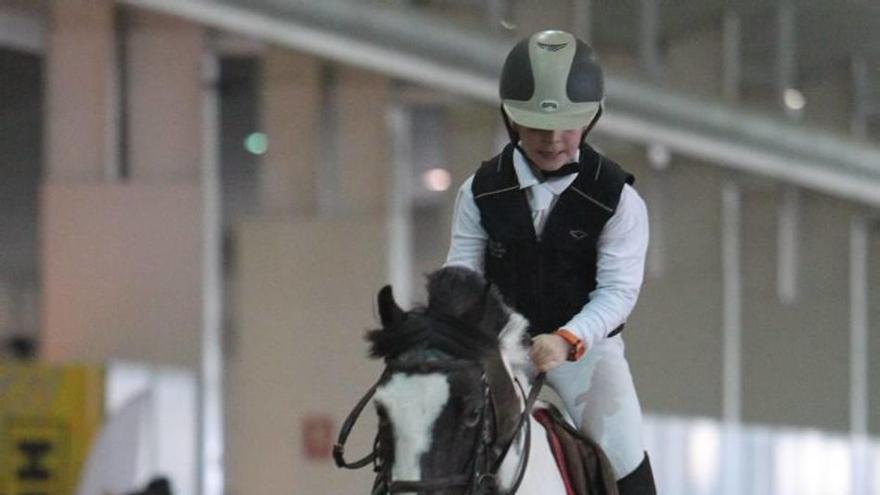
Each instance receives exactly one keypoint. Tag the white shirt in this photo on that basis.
(621, 248)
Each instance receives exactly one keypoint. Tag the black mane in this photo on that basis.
(462, 319)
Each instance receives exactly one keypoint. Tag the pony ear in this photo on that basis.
(389, 311)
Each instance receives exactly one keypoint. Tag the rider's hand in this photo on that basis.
(549, 351)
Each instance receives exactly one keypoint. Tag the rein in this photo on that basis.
(480, 482)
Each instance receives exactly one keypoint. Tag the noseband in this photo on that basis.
(487, 459)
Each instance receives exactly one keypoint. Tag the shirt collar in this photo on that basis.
(524, 174)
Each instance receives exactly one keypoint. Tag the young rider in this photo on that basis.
(560, 230)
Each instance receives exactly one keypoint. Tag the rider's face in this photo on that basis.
(549, 150)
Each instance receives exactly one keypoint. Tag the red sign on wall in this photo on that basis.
(317, 432)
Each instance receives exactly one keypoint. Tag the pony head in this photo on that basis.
(448, 391)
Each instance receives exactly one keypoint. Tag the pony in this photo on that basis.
(455, 400)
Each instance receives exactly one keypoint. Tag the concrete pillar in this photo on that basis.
(731, 365)
(290, 114)
(81, 98)
(650, 50)
(163, 60)
(401, 238)
(363, 163)
(329, 148)
(121, 260)
(859, 330)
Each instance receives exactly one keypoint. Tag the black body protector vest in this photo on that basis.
(547, 279)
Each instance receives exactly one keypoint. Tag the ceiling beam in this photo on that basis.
(425, 51)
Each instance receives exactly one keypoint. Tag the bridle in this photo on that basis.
(487, 459)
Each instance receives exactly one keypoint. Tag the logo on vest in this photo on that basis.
(578, 234)
(497, 249)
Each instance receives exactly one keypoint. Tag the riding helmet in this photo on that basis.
(551, 80)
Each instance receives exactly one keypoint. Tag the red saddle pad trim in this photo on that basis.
(543, 417)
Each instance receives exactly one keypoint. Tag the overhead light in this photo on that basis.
(794, 99)
(659, 156)
(437, 179)
(256, 143)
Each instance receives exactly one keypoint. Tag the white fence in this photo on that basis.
(706, 457)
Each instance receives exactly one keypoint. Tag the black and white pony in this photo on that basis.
(454, 398)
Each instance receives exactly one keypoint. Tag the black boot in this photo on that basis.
(638, 482)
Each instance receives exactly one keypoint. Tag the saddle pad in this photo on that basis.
(556, 447)
(582, 463)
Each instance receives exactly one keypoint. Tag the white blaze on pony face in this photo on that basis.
(413, 404)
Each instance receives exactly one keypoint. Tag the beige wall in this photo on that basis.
(120, 279)
(796, 357)
(307, 291)
(362, 141)
(674, 335)
(80, 131)
(164, 94)
(291, 100)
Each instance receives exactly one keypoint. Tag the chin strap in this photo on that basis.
(592, 124)
(511, 131)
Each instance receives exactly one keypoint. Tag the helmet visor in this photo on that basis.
(548, 115)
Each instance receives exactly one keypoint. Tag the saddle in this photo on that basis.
(584, 467)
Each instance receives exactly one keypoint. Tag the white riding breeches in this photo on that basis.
(598, 393)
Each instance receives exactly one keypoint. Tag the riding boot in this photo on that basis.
(638, 482)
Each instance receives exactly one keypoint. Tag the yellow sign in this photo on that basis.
(48, 416)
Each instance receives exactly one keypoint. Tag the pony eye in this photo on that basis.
(472, 418)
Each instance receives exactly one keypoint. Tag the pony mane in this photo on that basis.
(463, 318)
(514, 342)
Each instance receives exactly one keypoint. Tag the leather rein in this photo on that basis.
(487, 461)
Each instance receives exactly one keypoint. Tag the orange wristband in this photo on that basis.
(577, 345)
